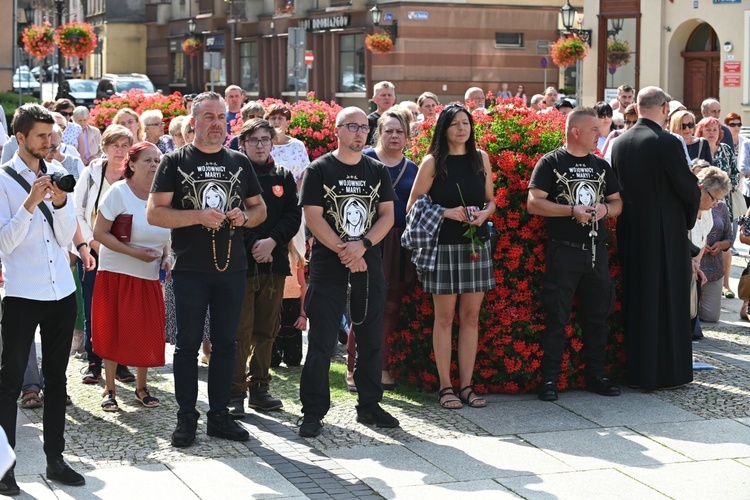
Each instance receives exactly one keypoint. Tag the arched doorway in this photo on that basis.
(702, 61)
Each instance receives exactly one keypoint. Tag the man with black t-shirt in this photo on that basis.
(348, 203)
(205, 193)
(576, 191)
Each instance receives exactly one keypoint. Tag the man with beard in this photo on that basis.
(36, 226)
(348, 203)
(205, 193)
(661, 199)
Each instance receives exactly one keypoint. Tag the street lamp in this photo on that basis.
(568, 15)
(191, 26)
(59, 4)
(376, 15)
(616, 27)
(29, 12)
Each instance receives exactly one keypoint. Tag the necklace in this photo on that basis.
(229, 248)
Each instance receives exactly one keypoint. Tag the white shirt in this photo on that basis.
(121, 200)
(35, 260)
(702, 227)
(292, 155)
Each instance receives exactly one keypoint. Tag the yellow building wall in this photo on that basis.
(123, 48)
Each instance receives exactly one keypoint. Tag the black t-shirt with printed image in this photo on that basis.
(201, 180)
(349, 195)
(573, 180)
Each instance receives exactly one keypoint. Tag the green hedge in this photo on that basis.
(9, 102)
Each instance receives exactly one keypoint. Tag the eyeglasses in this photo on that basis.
(154, 124)
(66, 114)
(630, 122)
(354, 127)
(54, 147)
(686, 126)
(734, 124)
(254, 141)
(712, 196)
(619, 127)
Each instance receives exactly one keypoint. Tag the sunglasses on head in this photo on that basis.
(686, 126)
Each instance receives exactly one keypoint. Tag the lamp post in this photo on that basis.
(59, 4)
(616, 27)
(191, 65)
(568, 16)
(191, 27)
(376, 15)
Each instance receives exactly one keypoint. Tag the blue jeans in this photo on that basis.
(223, 294)
(33, 378)
(87, 288)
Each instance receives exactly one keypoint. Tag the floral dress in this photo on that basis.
(724, 159)
(292, 155)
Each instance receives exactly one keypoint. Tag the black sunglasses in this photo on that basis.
(686, 126)
(734, 124)
(66, 114)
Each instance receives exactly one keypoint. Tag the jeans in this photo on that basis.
(222, 294)
(87, 288)
(325, 303)
(55, 320)
(33, 378)
(569, 269)
(259, 324)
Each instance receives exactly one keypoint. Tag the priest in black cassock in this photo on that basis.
(660, 204)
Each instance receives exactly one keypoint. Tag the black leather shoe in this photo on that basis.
(58, 470)
(184, 434)
(8, 485)
(220, 424)
(261, 400)
(603, 386)
(548, 391)
(311, 426)
(374, 414)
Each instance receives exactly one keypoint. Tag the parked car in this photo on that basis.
(24, 81)
(50, 74)
(83, 92)
(111, 84)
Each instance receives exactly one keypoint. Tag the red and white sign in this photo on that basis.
(309, 58)
(732, 67)
(732, 80)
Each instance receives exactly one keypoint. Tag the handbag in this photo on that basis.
(743, 291)
(739, 207)
(122, 226)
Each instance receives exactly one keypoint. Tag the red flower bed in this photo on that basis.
(170, 106)
(511, 321)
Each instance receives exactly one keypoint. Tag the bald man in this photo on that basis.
(348, 205)
(474, 98)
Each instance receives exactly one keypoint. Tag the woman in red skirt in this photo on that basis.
(128, 304)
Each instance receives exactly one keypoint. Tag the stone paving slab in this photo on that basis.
(488, 457)
(714, 479)
(234, 478)
(609, 484)
(31, 457)
(632, 407)
(745, 421)
(525, 415)
(603, 448)
(387, 466)
(702, 440)
(480, 489)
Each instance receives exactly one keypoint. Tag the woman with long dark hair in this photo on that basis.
(457, 176)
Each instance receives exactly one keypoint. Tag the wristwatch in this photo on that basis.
(367, 243)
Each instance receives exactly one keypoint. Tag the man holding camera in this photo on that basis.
(576, 191)
(36, 225)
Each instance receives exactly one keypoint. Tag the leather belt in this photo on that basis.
(572, 244)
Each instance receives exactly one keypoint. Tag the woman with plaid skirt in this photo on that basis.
(458, 177)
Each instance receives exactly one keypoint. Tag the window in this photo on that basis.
(179, 75)
(352, 63)
(508, 40)
(249, 66)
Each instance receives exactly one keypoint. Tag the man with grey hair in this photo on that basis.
(204, 193)
(72, 164)
(575, 191)
(661, 199)
(536, 102)
(474, 98)
(384, 96)
(711, 108)
(347, 199)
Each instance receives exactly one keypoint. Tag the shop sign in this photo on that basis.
(732, 80)
(215, 42)
(418, 15)
(324, 23)
(732, 67)
(727, 1)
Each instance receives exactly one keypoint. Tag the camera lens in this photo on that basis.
(65, 182)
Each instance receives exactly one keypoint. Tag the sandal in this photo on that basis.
(29, 400)
(109, 403)
(727, 293)
(148, 400)
(449, 404)
(472, 402)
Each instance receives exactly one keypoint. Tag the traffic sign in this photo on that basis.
(309, 58)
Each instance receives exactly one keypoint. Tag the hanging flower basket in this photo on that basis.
(76, 39)
(618, 53)
(379, 43)
(192, 46)
(568, 51)
(39, 41)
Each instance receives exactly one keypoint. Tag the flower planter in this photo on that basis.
(39, 40)
(379, 43)
(192, 47)
(618, 53)
(568, 51)
(76, 39)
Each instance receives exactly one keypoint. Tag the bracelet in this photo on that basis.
(246, 217)
(84, 244)
(571, 212)
(606, 216)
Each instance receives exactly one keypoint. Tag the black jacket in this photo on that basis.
(283, 218)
